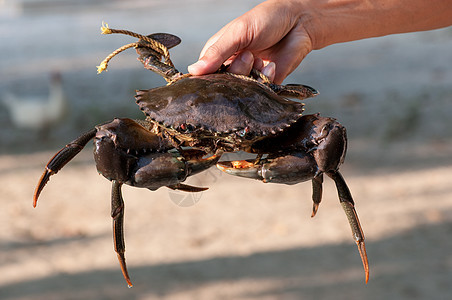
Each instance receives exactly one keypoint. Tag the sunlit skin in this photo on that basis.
(275, 36)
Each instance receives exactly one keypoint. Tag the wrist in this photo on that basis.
(335, 21)
(330, 22)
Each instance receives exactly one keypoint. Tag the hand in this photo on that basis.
(270, 38)
(275, 36)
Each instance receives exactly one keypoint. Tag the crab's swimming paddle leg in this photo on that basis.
(347, 203)
(117, 213)
(317, 191)
(59, 160)
(298, 91)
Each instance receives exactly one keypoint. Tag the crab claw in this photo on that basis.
(170, 169)
(288, 169)
(196, 163)
(241, 168)
(195, 166)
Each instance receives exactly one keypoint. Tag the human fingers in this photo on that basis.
(260, 31)
(270, 71)
(288, 53)
(236, 36)
(219, 48)
(242, 64)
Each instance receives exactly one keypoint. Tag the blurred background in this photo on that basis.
(241, 239)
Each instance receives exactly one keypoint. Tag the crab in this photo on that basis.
(193, 120)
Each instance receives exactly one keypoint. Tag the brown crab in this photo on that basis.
(193, 120)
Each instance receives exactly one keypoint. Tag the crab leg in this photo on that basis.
(298, 91)
(295, 168)
(59, 160)
(117, 213)
(345, 197)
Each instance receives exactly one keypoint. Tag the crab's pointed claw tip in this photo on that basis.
(315, 208)
(187, 188)
(125, 273)
(363, 254)
(42, 182)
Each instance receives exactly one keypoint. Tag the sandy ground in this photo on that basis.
(241, 239)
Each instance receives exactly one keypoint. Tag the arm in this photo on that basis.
(349, 20)
(282, 32)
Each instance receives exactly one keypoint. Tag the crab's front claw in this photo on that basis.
(170, 169)
(196, 162)
(241, 168)
(195, 166)
(288, 169)
(127, 152)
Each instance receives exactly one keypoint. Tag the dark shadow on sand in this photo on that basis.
(400, 267)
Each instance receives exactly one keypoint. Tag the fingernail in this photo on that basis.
(195, 68)
(247, 57)
(269, 70)
(258, 63)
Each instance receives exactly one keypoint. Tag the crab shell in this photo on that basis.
(220, 105)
